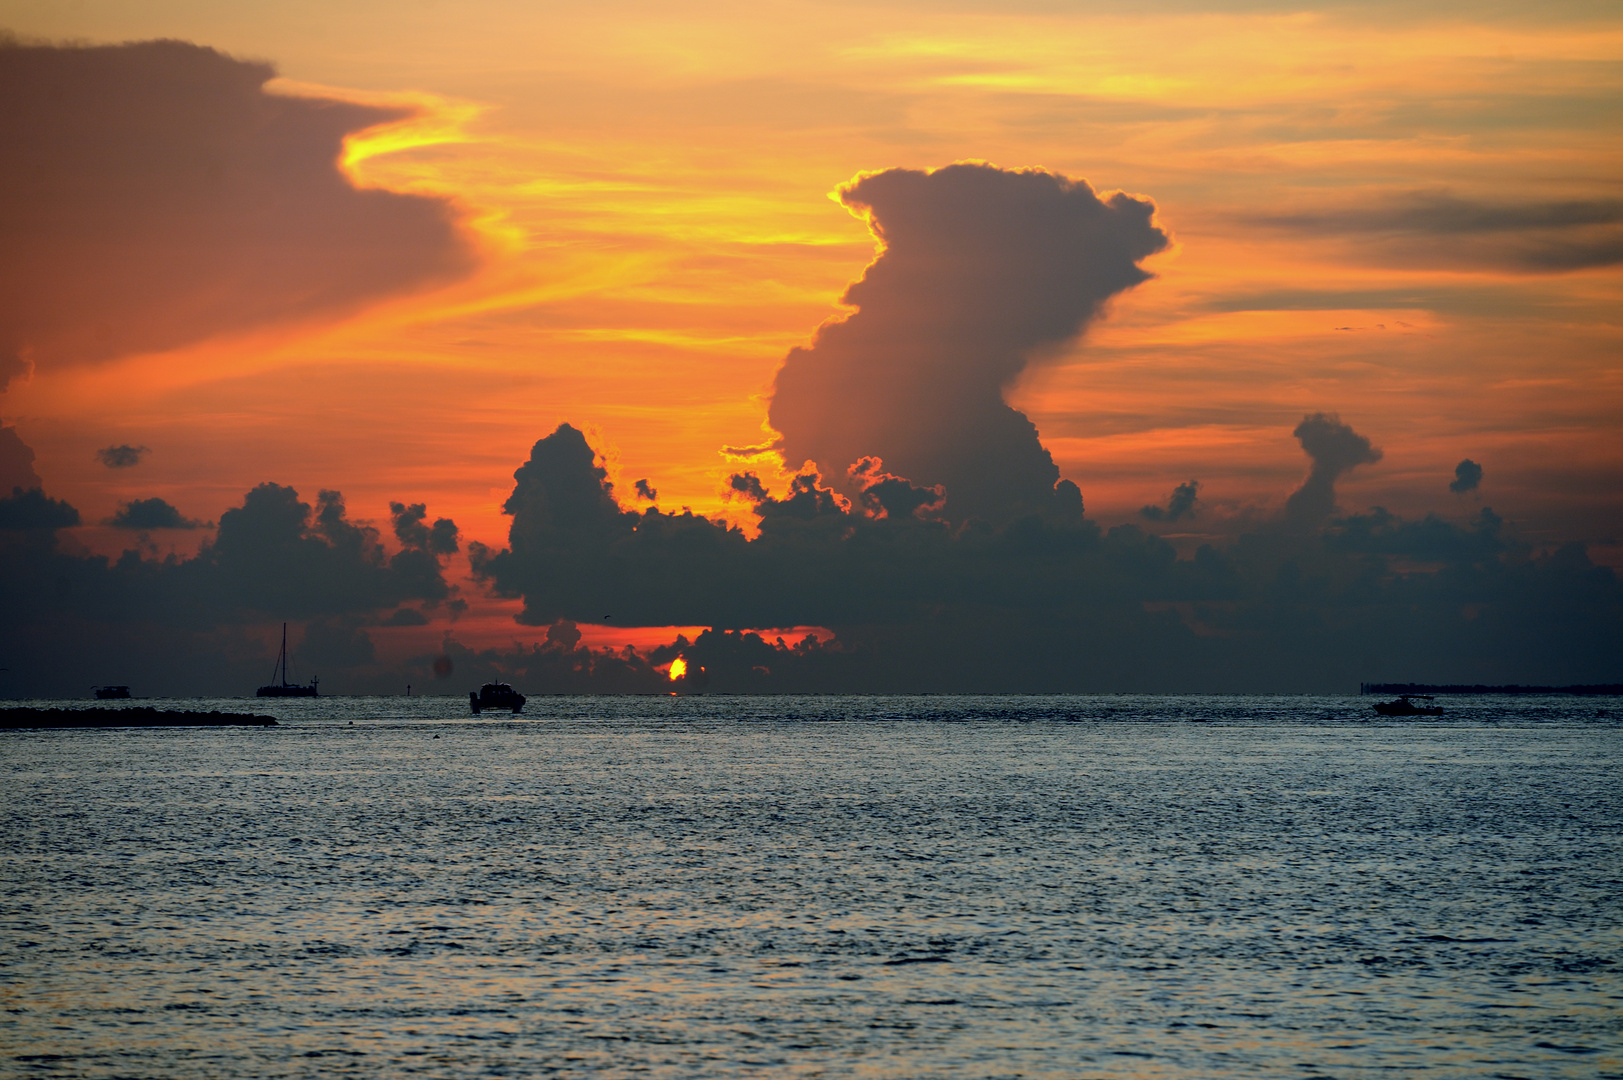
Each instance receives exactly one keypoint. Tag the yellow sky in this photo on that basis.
(650, 185)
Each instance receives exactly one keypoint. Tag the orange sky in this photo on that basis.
(650, 193)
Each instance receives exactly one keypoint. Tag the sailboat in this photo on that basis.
(279, 686)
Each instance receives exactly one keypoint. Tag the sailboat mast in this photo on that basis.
(284, 654)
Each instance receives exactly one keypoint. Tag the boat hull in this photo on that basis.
(488, 698)
(1393, 708)
(286, 691)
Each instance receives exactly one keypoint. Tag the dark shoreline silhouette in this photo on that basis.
(144, 716)
(1589, 689)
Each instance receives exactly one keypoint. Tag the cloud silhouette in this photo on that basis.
(153, 194)
(1180, 504)
(31, 508)
(914, 603)
(153, 513)
(1037, 604)
(122, 457)
(16, 462)
(1334, 448)
(441, 538)
(981, 269)
(1467, 477)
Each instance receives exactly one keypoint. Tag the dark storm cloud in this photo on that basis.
(1467, 477)
(1440, 228)
(153, 513)
(1180, 504)
(1334, 448)
(982, 268)
(16, 462)
(1037, 604)
(31, 508)
(152, 195)
(122, 457)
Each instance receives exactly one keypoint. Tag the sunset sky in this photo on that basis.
(624, 216)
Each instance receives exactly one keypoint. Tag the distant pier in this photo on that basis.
(1588, 689)
(144, 716)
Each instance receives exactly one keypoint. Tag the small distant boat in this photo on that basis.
(495, 695)
(280, 687)
(110, 693)
(1405, 706)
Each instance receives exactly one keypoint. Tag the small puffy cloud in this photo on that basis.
(31, 508)
(441, 538)
(980, 270)
(1180, 504)
(153, 195)
(153, 513)
(1467, 477)
(122, 457)
(1334, 448)
(645, 492)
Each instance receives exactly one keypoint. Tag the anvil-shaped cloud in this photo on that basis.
(982, 268)
(153, 195)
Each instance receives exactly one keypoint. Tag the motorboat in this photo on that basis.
(1405, 706)
(495, 695)
(112, 693)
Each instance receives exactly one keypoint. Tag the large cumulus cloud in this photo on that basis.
(982, 268)
(153, 194)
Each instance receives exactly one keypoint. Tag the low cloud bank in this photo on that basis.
(183, 625)
(1308, 601)
(915, 602)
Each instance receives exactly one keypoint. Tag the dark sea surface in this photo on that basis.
(1041, 887)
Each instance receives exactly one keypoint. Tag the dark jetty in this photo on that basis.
(1414, 689)
(145, 716)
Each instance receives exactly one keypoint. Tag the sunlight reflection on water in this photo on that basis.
(861, 887)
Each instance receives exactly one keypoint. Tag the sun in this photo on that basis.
(679, 668)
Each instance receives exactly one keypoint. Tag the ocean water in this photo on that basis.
(1040, 887)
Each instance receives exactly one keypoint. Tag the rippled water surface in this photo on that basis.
(836, 887)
